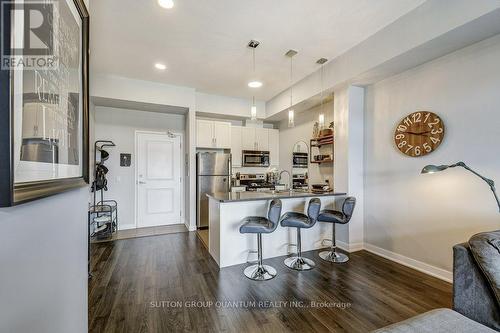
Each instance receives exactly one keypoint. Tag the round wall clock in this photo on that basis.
(419, 133)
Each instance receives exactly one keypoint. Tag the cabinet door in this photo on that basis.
(222, 134)
(205, 134)
(236, 145)
(274, 147)
(248, 138)
(262, 138)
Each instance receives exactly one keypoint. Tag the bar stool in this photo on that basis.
(300, 221)
(260, 225)
(334, 216)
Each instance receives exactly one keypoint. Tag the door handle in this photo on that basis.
(141, 182)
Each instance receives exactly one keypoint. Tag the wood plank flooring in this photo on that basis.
(152, 284)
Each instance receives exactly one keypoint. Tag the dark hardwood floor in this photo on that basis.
(148, 285)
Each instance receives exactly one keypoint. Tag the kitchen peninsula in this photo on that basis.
(226, 210)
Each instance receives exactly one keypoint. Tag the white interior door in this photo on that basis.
(158, 180)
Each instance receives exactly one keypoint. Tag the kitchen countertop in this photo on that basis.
(255, 196)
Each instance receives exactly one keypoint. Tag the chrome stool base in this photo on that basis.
(333, 256)
(299, 263)
(260, 272)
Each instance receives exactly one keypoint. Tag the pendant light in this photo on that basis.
(254, 84)
(321, 118)
(291, 112)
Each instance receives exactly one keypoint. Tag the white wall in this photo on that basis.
(422, 216)
(303, 131)
(223, 105)
(43, 265)
(119, 126)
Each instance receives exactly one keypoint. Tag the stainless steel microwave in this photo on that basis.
(255, 158)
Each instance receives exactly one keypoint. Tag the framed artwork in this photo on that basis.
(44, 99)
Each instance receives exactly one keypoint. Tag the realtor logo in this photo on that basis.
(34, 30)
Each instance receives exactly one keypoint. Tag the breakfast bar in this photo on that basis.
(226, 210)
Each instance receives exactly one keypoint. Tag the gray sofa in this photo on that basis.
(472, 294)
(475, 305)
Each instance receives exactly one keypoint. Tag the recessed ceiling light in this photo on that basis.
(160, 66)
(255, 84)
(166, 3)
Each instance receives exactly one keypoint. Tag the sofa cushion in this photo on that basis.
(437, 321)
(485, 248)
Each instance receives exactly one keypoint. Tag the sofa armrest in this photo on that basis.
(472, 295)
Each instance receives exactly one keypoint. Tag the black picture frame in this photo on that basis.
(11, 193)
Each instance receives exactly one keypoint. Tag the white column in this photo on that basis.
(348, 167)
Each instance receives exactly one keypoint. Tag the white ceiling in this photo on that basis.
(203, 42)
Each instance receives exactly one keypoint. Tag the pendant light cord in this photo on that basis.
(291, 81)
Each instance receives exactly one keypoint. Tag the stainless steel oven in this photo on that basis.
(255, 158)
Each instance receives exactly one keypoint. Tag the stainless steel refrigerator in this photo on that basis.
(213, 174)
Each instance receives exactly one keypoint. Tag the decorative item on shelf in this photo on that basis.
(44, 112)
(320, 188)
(437, 168)
(291, 112)
(419, 133)
(315, 130)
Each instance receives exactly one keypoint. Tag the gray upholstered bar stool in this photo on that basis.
(301, 221)
(334, 216)
(260, 225)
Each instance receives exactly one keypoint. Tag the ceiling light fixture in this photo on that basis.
(321, 118)
(291, 112)
(253, 84)
(168, 4)
(160, 66)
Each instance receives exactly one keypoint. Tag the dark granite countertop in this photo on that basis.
(255, 196)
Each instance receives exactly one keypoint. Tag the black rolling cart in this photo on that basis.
(102, 214)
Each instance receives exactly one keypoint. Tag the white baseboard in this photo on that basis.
(412, 263)
(350, 247)
(188, 227)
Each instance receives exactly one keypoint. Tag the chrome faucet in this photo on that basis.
(290, 187)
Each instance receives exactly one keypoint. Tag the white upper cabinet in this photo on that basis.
(262, 139)
(213, 134)
(253, 138)
(236, 147)
(222, 134)
(274, 147)
(205, 134)
(248, 138)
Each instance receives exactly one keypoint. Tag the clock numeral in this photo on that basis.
(402, 128)
(426, 117)
(417, 117)
(427, 148)
(435, 122)
(417, 151)
(400, 136)
(402, 144)
(435, 140)
(437, 131)
(407, 121)
(409, 148)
